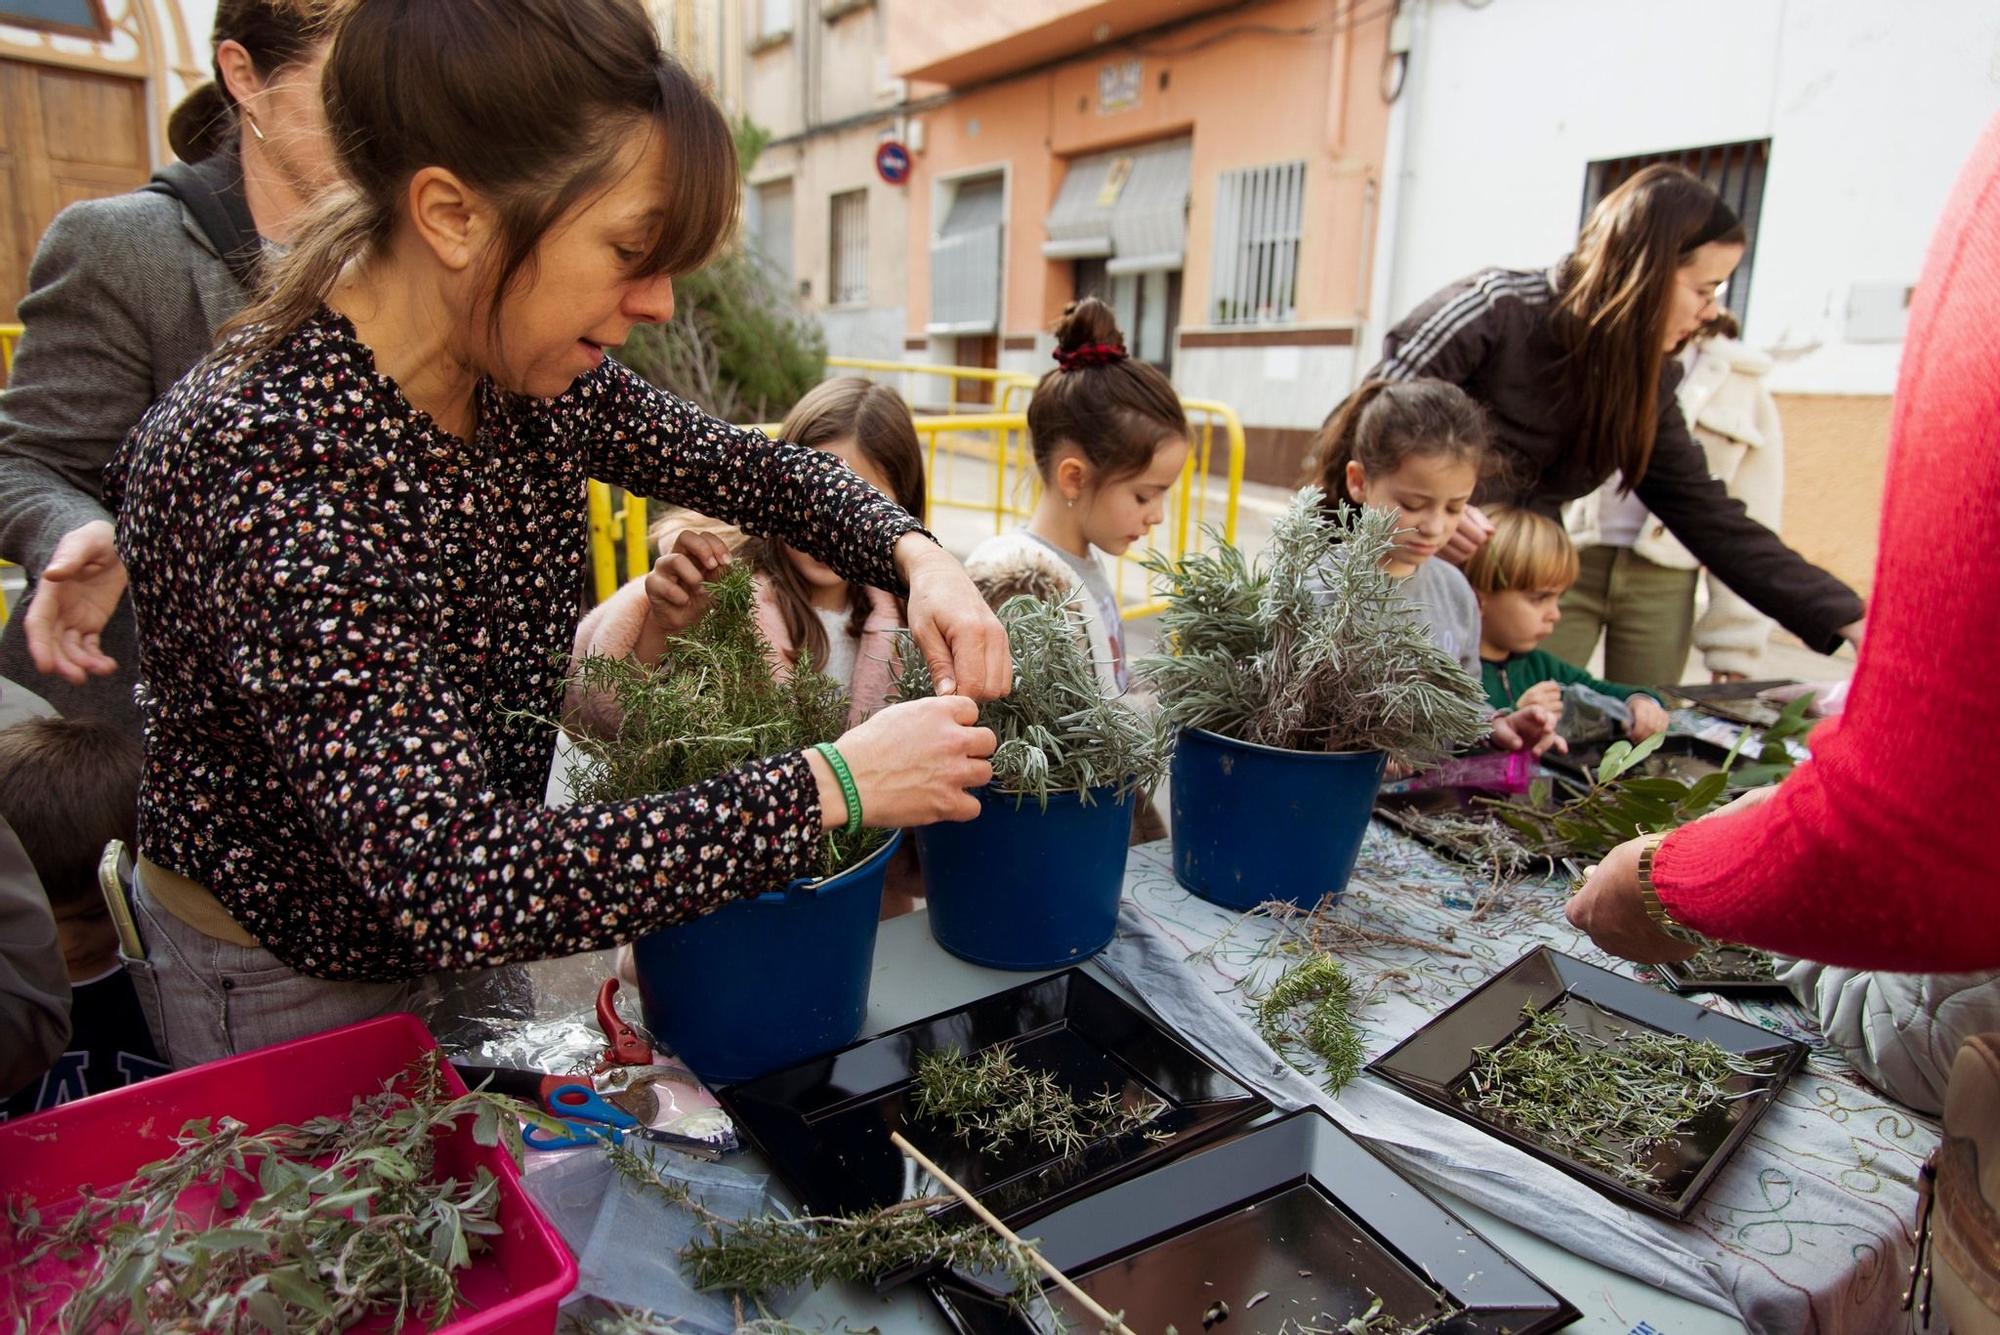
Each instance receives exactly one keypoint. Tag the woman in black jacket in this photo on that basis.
(125, 294)
(1572, 365)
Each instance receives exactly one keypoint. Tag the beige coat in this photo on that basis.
(1730, 412)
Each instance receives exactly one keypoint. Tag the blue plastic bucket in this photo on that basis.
(1019, 887)
(1253, 823)
(766, 982)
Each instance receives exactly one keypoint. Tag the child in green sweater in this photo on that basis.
(1518, 577)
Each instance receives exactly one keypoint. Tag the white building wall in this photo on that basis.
(1869, 107)
(1287, 387)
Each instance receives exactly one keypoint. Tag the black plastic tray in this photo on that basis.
(1733, 701)
(1691, 976)
(1294, 1209)
(824, 1125)
(1432, 1064)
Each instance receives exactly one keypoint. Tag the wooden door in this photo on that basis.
(65, 135)
(977, 350)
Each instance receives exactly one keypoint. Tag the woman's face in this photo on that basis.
(1696, 295)
(817, 574)
(288, 111)
(581, 293)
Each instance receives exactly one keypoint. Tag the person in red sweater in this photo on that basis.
(1878, 853)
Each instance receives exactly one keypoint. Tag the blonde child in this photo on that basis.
(1518, 578)
(1418, 447)
(1110, 440)
(803, 608)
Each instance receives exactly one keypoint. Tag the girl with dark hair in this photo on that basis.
(1418, 447)
(1110, 441)
(357, 531)
(804, 608)
(124, 295)
(1573, 367)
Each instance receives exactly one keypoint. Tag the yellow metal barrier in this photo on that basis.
(983, 463)
(10, 334)
(1007, 385)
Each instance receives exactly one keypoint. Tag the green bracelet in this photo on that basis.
(846, 778)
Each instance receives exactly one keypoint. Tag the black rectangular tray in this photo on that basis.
(1294, 1209)
(824, 1125)
(1733, 701)
(1693, 976)
(1432, 1064)
(1396, 809)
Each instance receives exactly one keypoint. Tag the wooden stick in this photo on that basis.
(986, 1217)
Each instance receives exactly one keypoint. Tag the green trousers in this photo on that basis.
(1645, 613)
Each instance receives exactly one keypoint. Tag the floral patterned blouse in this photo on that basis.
(344, 613)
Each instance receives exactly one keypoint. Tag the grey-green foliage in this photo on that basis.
(712, 704)
(1312, 647)
(1058, 731)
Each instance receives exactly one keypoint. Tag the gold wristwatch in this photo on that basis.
(1649, 895)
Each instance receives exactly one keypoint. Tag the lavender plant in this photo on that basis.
(1311, 647)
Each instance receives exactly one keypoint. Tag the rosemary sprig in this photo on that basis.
(1057, 730)
(996, 1099)
(1602, 1102)
(711, 704)
(1310, 648)
(344, 1222)
(1311, 1006)
(770, 1254)
(1375, 1321)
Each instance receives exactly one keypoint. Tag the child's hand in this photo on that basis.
(1647, 717)
(675, 599)
(1542, 695)
(1532, 729)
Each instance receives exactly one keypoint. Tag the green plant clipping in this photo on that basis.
(995, 1102)
(1057, 730)
(1605, 1103)
(1311, 1006)
(1312, 647)
(323, 1225)
(713, 703)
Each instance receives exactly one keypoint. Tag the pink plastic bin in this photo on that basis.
(514, 1287)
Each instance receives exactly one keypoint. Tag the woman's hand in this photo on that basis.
(912, 764)
(1474, 528)
(73, 602)
(957, 633)
(1647, 717)
(1533, 729)
(1542, 695)
(1612, 911)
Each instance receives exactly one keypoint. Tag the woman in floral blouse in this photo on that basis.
(355, 534)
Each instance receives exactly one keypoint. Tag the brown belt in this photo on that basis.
(191, 903)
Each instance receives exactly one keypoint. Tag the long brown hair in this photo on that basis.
(1113, 409)
(1611, 311)
(277, 34)
(877, 420)
(531, 102)
(1385, 422)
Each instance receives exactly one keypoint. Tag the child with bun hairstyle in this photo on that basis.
(1417, 447)
(1110, 441)
(1519, 577)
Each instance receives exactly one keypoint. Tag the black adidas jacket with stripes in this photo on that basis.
(1489, 334)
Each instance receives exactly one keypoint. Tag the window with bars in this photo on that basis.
(850, 249)
(1259, 214)
(773, 229)
(1735, 171)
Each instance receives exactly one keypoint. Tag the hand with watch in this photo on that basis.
(1620, 909)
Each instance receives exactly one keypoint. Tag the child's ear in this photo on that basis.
(1072, 476)
(1357, 481)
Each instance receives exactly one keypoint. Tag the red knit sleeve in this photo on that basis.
(1881, 852)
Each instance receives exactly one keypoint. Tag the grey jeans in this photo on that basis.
(206, 998)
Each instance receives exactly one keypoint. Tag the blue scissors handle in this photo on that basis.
(589, 1118)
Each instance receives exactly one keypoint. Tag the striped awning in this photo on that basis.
(1128, 206)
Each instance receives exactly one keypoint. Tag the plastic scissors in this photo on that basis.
(591, 1120)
